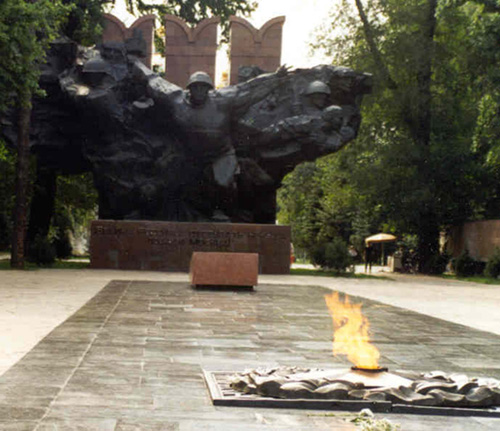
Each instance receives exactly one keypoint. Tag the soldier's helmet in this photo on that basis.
(200, 77)
(97, 67)
(317, 87)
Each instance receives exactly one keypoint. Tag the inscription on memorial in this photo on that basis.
(168, 246)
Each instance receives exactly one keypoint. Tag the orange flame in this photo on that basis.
(350, 332)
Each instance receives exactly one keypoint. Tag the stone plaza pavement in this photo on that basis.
(124, 350)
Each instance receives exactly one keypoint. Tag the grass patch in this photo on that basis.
(474, 279)
(322, 273)
(58, 264)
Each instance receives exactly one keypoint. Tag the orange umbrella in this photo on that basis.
(380, 237)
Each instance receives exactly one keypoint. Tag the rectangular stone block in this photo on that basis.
(224, 269)
(168, 246)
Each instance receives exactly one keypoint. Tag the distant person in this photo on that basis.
(369, 255)
(353, 254)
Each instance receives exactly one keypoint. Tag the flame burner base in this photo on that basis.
(371, 370)
(435, 393)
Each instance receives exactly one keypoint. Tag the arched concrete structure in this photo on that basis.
(116, 31)
(189, 49)
(253, 47)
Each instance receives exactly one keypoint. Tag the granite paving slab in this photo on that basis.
(132, 358)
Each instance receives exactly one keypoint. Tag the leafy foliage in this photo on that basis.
(84, 23)
(192, 11)
(76, 207)
(331, 255)
(428, 152)
(42, 251)
(438, 264)
(465, 266)
(26, 29)
(492, 268)
(297, 202)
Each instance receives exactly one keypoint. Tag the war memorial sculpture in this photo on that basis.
(199, 154)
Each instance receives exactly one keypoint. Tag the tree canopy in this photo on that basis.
(426, 155)
(26, 29)
(193, 10)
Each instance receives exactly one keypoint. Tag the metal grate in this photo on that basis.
(223, 395)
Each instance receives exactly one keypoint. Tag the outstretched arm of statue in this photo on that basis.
(241, 96)
(322, 134)
(291, 128)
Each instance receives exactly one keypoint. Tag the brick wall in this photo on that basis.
(480, 238)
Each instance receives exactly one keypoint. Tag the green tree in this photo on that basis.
(84, 21)
(413, 163)
(192, 11)
(298, 202)
(26, 29)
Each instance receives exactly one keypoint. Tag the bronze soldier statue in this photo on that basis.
(160, 152)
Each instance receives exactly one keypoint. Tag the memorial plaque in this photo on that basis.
(168, 246)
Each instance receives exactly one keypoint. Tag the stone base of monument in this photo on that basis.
(168, 246)
(224, 269)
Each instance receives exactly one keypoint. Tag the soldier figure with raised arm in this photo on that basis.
(202, 118)
(161, 152)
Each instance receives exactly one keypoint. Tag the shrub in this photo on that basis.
(466, 266)
(63, 246)
(41, 251)
(5, 231)
(492, 268)
(437, 264)
(331, 255)
(317, 255)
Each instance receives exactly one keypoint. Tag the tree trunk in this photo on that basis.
(428, 242)
(370, 40)
(428, 232)
(22, 181)
(421, 127)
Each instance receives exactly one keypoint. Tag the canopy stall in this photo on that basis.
(380, 238)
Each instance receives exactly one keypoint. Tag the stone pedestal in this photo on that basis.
(224, 269)
(168, 246)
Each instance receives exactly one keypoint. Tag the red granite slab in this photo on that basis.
(224, 269)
